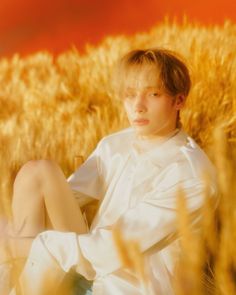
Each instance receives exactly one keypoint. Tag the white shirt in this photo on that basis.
(138, 192)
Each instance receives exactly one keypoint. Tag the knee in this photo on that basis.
(47, 168)
(47, 165)
(26, 172)
(34, 169)
(29, 166)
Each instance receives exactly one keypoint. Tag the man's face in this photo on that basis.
(150, 110)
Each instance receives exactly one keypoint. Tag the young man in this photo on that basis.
(135, 173)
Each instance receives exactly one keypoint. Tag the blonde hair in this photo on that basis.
(172, 72)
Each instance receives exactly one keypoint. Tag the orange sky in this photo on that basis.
(30, 25)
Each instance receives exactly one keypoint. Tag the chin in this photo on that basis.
(142, 131)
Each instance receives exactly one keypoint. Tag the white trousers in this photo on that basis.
(52, 254)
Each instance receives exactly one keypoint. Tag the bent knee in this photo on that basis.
(46, 167)
(28, 166)
(35, 169)
(41, 166)
(26, 172)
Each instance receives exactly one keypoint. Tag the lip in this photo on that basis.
(141, 122)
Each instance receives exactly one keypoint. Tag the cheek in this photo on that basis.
(161, 108)
(157, 107)
(127, 105)
(127, 108)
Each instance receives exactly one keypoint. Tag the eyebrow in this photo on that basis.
(147, 87)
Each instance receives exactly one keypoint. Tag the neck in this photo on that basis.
(156, 138)
(146, 143)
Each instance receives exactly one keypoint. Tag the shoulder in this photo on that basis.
(186, 164)
(196, 167)
(196, 160)
(182, 159)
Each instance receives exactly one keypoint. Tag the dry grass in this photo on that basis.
(58, 108)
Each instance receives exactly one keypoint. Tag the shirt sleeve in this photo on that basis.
(149, 222)
(88, 181)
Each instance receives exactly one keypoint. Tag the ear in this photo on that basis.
(179, 101)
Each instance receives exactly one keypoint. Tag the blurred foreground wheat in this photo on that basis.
(58, 108)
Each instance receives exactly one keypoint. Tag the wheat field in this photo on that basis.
(59, 107)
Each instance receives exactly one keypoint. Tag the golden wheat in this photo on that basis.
(59, 108)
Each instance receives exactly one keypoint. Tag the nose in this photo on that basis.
(139, 104)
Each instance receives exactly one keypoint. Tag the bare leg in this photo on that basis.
(41, 192)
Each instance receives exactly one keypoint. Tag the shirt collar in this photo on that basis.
(164, 153)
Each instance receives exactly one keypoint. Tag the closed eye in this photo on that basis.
(130, 95)
(154, 94)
